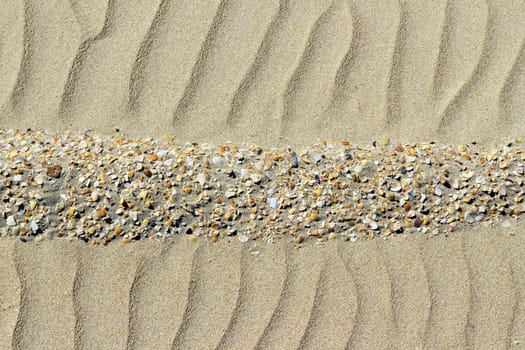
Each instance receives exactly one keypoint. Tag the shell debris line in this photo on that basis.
(100, 188)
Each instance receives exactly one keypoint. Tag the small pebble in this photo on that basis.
(54, 171)
(94, 196)
(202, 178)
(39, 179)
(292, 158)
(34, 226)
(11, 221)
(272, 202)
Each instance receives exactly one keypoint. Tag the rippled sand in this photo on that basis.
(274, 73)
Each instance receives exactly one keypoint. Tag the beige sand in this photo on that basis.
(274, 73)
(412, 292)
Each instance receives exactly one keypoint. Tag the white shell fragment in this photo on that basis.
(11, 221)
(272, 202)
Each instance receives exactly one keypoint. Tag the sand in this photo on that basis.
(273, 73)
(411, 292)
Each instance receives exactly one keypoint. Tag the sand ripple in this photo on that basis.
(465, 290)
(279, 72)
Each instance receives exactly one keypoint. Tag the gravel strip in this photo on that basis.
(99, 189)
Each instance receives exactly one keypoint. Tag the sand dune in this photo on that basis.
(462, 291)
(279, 72)
(270, 72)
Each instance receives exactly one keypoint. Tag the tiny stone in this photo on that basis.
(397, 227)
(480, 179)
(504, 164)
(294, 163)
(54, 171)
(256, 178)
(11, 221)
(395, 188)
(34, 226)
(272, 202)
(39, 179)
(143, 194)
(373, 225)
(201, 178)
(102, 212)
(218, 160)
(502, 191)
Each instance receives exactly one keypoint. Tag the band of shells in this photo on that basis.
(100, 188)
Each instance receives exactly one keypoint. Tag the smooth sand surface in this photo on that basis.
(273, 73)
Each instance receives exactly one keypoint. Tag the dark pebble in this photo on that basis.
(54, 171)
